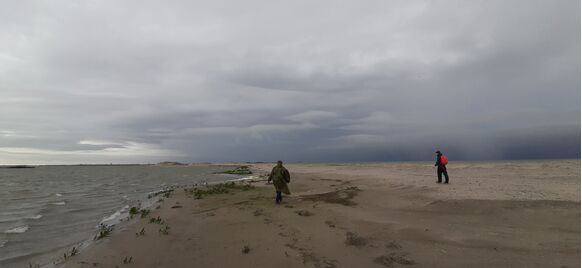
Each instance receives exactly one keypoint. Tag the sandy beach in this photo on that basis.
(493, 214)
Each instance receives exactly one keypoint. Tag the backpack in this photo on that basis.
(444, 160)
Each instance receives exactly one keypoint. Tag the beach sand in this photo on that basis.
(493, 214)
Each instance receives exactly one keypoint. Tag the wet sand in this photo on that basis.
(493, 214)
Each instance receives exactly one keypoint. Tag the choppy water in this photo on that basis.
(48, 209)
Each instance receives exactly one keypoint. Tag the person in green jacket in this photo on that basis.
(280, 177)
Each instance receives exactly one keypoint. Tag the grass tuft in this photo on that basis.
(104, 231)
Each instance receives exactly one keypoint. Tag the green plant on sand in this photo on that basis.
(157, 220)
(221, 188)
(242, 170)
(134, 211)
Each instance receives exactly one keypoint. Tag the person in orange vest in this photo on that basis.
(441, 167)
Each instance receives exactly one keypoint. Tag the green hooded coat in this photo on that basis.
(280, 177)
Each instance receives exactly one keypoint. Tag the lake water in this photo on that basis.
(46, 210)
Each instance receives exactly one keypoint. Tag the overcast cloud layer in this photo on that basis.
(146, 81)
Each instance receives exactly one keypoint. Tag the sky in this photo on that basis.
(302, 81)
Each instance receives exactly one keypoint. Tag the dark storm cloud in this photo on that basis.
(103, 81)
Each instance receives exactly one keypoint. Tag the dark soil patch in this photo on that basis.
(341, 196)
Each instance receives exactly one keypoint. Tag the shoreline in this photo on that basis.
(115, 215)
(123, 219)
(340, 218)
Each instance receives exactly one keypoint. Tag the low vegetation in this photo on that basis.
(164, 230)
(127, 260)
(135, 211)
(104, 231)
(221, 188)
(157, 220)
(140, 233)
(242, 170)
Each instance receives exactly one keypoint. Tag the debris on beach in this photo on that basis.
(246, 249)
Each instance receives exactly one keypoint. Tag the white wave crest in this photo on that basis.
(17, 230)
(111, 217)
(62, 203)
(115, 215)
(35, 217)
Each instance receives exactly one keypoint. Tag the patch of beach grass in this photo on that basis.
(221, 188)
(135, 211)
(241, 170)
(157, 220)
(165, 230)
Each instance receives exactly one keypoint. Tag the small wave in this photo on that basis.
(35, 217)
(3, 242)
(57, 194)
(17, 230)
(245, 178)
(62, 203)
(112, 216)
(115, 215)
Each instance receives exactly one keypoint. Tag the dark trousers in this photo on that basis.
(279, 197)
(440, 171)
